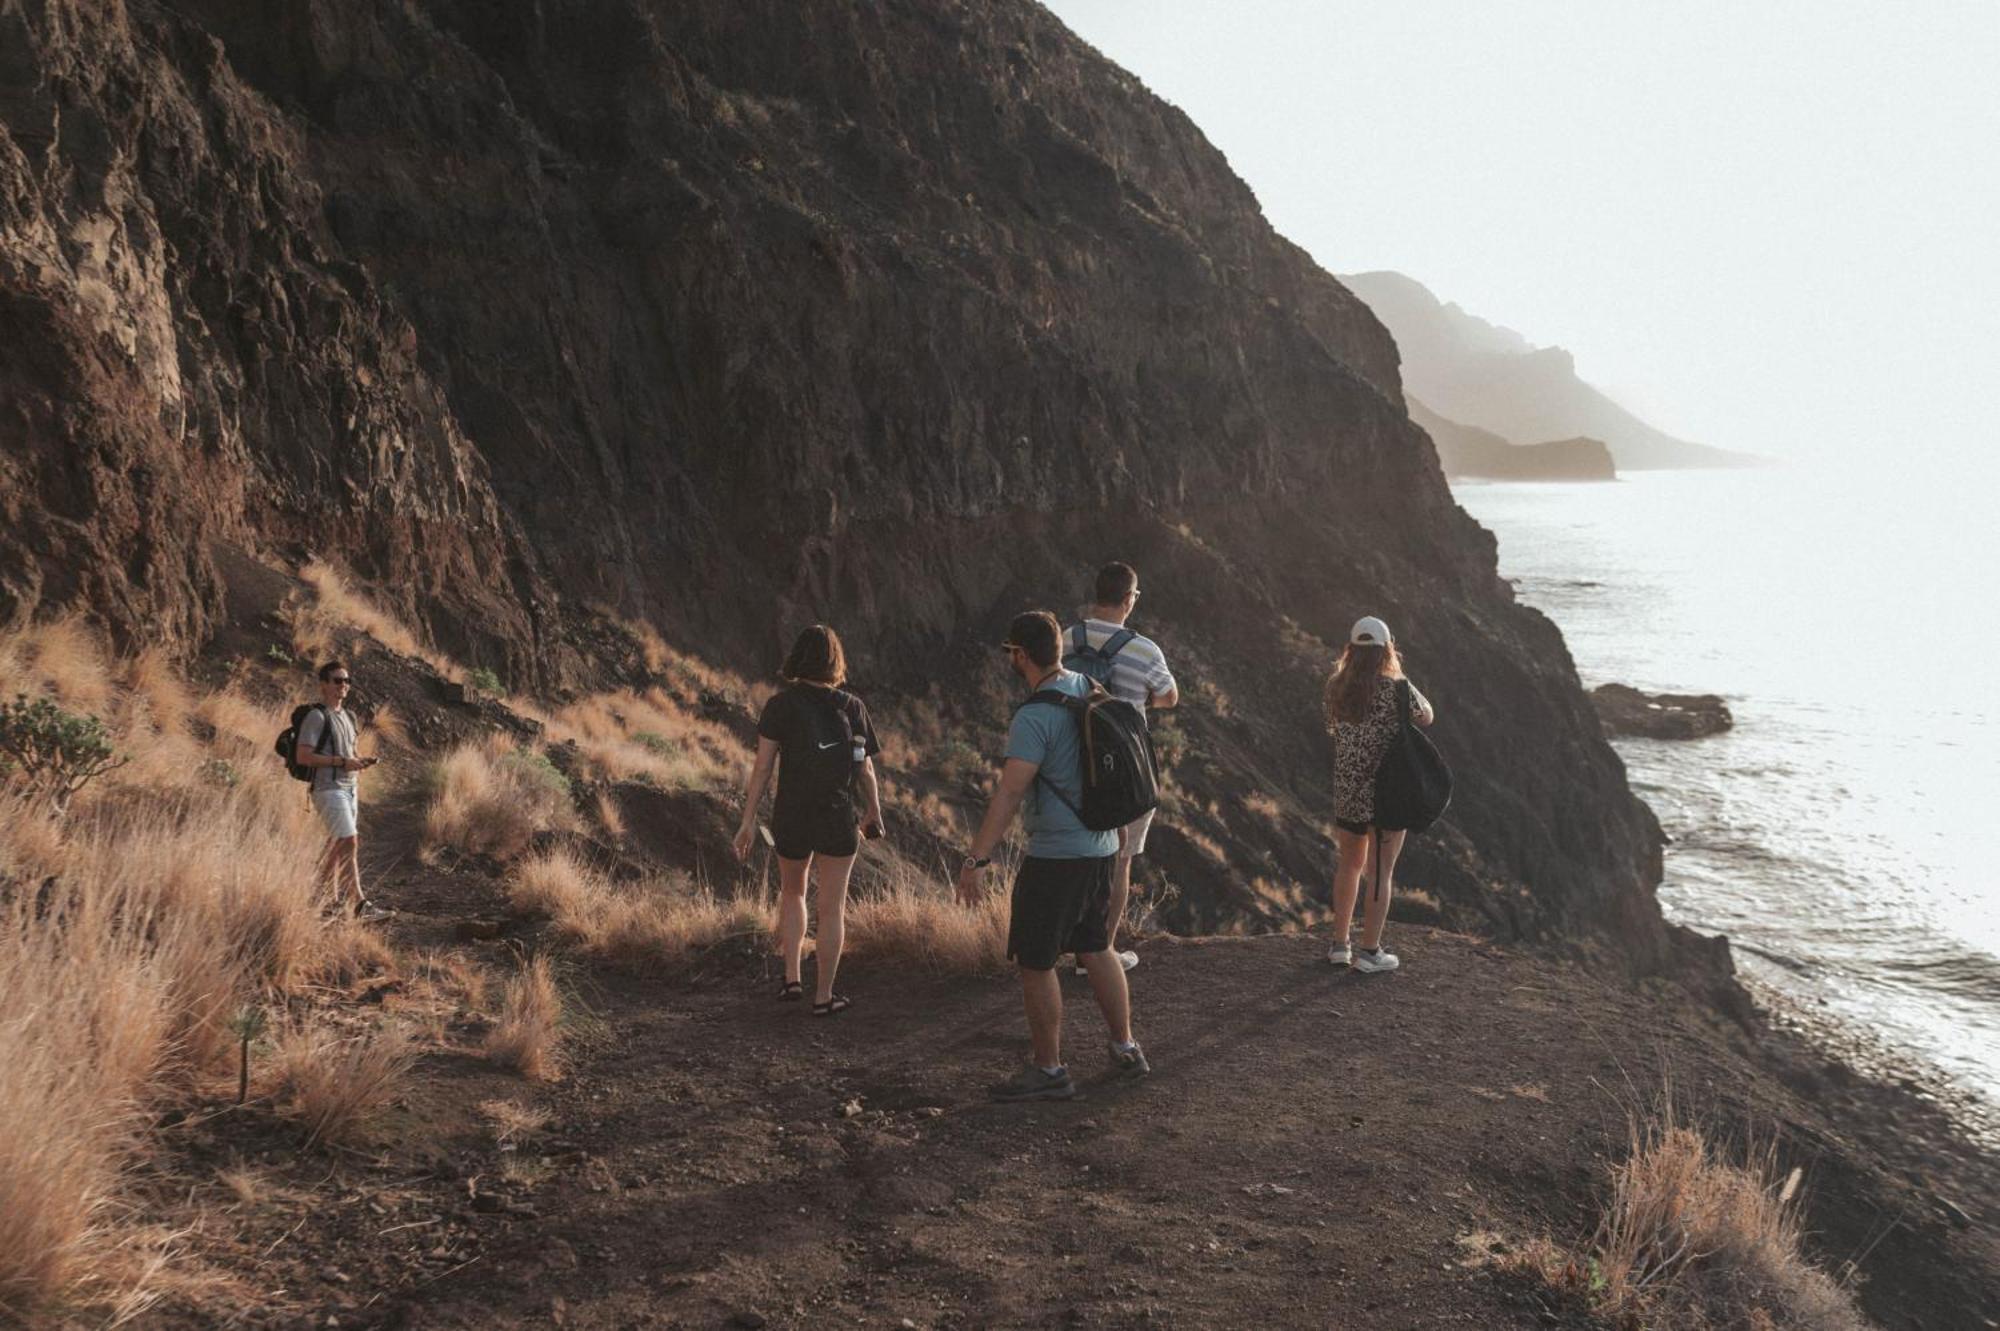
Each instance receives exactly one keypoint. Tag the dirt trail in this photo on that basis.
(1314, 1149)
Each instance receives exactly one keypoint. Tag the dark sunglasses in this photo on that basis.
(339, 679)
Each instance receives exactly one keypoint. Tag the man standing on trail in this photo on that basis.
(1063, 890)
(1132, 668)
(327, 741)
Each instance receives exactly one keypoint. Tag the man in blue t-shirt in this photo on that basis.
(1063, 891)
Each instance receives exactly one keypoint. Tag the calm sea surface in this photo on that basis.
(1845, 834)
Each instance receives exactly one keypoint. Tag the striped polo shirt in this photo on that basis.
(1140, 666)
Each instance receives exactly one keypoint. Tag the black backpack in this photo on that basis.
(287, 745)
(1412, 784)
(819, 773)
(1120, 778)
(1095, 662)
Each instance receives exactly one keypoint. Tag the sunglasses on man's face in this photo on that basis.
(339, 679)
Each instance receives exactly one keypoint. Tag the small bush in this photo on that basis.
(336, 1087)
(528, 1036)
(485, 680)
(491, 798)
(1690, 1240)
(51, 752)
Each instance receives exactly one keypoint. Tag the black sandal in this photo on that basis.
(838, 1003)
(791, 991)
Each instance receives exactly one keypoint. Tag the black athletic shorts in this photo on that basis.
(1059, 906)
(1345, 826)
(828, 832)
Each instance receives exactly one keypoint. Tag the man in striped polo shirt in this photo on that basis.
(1131, 667)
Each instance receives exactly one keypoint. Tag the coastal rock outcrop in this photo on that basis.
(727, 316)
(1626, 711)
(1482, 455)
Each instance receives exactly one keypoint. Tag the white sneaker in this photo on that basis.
(1376, 961)
(370, 913)
(1341, 954)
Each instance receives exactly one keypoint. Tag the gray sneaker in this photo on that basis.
(370, 913)
(1031, 1083)
(1129, 1062)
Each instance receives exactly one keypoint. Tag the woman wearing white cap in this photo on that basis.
(1362, 713)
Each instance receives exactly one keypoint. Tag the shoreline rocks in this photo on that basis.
(1629, 712)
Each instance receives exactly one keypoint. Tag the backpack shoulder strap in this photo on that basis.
(1116, 643)
(325, 730)
(1403, 701)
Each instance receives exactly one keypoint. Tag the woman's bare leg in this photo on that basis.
(1383, 877)
(832, 873)
(1352, 857)
(792, 913)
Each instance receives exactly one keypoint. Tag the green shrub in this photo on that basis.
(53, 753)
(537, 766)
(485, 680)
(655, 743)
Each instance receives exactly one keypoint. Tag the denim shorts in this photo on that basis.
(340, 809)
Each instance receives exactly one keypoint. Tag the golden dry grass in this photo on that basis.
(649, 923)
(915, 919)
(176, 889)
(648, 737)
(493, 798)
(528, 1036)
(1691, 1239)
(336, 1086)
(317, 621)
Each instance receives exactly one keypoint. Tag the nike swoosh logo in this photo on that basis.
(834, 745)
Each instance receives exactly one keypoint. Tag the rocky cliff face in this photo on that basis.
(730, 315)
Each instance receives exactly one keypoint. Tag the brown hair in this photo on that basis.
(1350, 689)
(330, 667)
(1115, 582)
(816, 658)
(1036, 633)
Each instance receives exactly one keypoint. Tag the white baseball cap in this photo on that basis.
(1369, 631)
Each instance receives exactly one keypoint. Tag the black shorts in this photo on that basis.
(829, 832)
(1059, 906)
(1360, 829)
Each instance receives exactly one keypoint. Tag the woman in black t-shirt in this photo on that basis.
(827, 747)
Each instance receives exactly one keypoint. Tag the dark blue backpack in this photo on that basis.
(1094, 662)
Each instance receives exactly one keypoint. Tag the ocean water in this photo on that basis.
(1845, 835)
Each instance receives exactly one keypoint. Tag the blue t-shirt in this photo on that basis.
(1045, 734)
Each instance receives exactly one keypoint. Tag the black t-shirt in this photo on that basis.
(796, 717)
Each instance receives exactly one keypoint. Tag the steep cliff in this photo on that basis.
(1492, 378)
(725, 316)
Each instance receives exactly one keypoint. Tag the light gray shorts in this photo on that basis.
(1132, 836)
(340, 810)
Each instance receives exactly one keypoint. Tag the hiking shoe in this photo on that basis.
(1374, 962)
(1129, 960)
(1341, 954)
(1031, 1083)
(1129, 1062)
(369, 913)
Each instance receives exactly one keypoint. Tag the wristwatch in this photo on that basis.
(970, 863)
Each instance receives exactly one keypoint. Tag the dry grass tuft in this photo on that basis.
(637, 923)
(650, 738)
(528, 1035)
(336, 1087)
(915, 919)
(336, 606)
(512, 1121)
(1691, 1240)
(493, 798)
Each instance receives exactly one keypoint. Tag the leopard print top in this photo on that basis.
(1358, 747)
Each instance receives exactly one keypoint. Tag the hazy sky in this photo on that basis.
(1767, 226)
